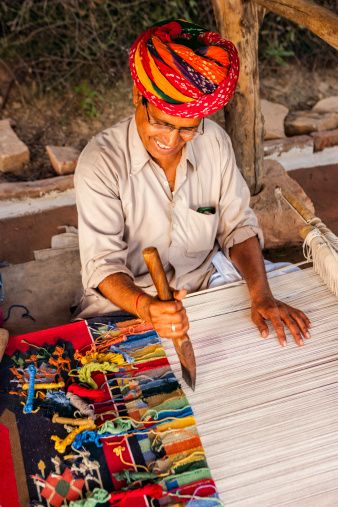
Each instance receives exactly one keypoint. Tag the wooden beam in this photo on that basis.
(317, 19)
(239, 21)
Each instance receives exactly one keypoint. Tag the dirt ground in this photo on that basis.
(69, 118)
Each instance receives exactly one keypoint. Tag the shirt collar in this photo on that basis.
(139, 155)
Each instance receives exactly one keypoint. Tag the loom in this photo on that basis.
(267, 416)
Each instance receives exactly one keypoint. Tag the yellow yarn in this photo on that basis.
(62, 444)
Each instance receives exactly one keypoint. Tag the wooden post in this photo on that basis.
(239, 21)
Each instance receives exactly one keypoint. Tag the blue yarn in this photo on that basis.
(126, 356)
(30, 395)
(88, 436)
(139, 344)
(58, 397)
(209, 501)
(135, 337)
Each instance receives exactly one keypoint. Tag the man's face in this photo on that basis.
(163, 145)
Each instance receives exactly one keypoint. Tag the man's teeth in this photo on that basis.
(162, 146)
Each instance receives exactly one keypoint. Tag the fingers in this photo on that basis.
(281, 315)
(180, 294)
(260, 323)
(303, 322)
(278, 327)
(169, 318)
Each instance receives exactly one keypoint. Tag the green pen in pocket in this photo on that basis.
(206, 210)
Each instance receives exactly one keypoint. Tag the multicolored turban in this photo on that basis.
(183, 69)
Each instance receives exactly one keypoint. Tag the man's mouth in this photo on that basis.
(163, 146)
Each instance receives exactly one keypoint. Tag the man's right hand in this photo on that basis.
(168, 318)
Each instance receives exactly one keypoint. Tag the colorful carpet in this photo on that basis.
(91, 414)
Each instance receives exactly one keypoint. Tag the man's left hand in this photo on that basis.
(280, 314)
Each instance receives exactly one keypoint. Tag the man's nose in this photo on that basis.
(172, 137)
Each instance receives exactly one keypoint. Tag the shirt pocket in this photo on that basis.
(201, 232)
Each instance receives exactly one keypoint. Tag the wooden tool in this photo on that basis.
(4, 335)
(320, 244)
(183, 346)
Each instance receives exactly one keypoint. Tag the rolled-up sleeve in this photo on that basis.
(237, 221)
(103, 250)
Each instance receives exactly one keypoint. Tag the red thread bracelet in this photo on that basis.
(137, 301)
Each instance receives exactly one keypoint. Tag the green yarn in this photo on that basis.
(85, 372)
(96, 497)
(187, 467)
(116, 427)
(188, 477)
(130, 476)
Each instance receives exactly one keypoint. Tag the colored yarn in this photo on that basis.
(62, 444)
(85, 372)
(151, 490)
(95, 395)
(52, 385)
(126, 357)
(83, 407)
(131, 476)
(88, 436)
(110, 357)
(93, 499)
(30, 395)
(117, 426)
(56, 419)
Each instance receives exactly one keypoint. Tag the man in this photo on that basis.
(167, 177)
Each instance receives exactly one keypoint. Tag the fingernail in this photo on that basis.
(301, 343)
(307, 335)
(264, 334)
(283, 343)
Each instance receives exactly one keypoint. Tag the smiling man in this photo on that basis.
(167, 177)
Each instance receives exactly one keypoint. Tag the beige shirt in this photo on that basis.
(125, 205)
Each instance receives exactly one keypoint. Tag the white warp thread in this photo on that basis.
(267, 415)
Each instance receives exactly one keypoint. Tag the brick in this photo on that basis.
(63, 158)
(14, 154)
(325, 139)
(278, 146)
(305, 122)
(274, 115)
(38, 188)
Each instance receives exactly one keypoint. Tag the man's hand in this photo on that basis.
(168, 318)
(280, 314)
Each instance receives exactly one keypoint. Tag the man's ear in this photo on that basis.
(137, 96)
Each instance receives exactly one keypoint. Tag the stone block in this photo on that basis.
(305, 122)
(63, 158)
(38, 188)
(325, 139)
(280, 224)
(14, 154)
(327, 105)
(274, 115)
(279, 146)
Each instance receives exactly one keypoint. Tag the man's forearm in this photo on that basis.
(122, 292)
(248, 259)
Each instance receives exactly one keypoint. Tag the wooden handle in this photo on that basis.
(305, 231)
(4, 335)
(183, 344)
(157, 273)
(298, 206)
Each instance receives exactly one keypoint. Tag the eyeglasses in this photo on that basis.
(186, 133)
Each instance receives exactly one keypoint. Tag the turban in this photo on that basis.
(184, 69)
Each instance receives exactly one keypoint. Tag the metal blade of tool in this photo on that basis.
(183, 346)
